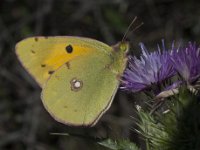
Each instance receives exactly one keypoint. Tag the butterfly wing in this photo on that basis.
(41, 56)
(80, 91)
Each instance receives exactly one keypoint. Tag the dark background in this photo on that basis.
(24, 123)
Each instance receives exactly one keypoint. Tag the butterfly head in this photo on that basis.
(124, 46)
(121, 47)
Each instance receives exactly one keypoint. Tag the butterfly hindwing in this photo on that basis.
(80, 91)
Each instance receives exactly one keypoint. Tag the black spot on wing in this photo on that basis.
(68, 65)
(32, 51)
(51, 72)
(36, 39)
(69, 49)
(43, 65)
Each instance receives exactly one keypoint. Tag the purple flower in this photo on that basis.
(151, 70)
(186, 61)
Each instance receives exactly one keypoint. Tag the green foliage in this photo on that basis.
(174, 126)
(152, 130)
(176, 130)
(119, 145)
(184, 134)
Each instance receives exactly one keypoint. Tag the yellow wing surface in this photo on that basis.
(78, 75)
(42, 56)
(79, 92)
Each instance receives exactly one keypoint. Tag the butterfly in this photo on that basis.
(79, 76)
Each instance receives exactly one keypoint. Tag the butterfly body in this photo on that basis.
(78, 76)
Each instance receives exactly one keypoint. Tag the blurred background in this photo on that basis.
(24, 123)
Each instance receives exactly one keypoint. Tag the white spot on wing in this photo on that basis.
(76, 84)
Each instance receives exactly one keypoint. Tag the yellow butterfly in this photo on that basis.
(78, 76)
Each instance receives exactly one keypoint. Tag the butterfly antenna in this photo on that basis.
(127, 30)
(137, 27)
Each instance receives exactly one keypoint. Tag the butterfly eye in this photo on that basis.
(69, 49)
(124, 46)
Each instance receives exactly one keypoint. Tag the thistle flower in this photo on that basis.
(186, 61)
(153, 68)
